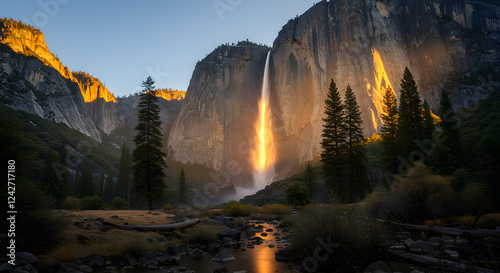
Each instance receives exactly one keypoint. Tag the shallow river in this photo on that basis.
(257, 260)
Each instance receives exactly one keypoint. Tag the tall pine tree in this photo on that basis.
(109, 189)
(52, 182)
(182, 187)
(428, 121)
(148, 157)
(86, 184)
(334, 142)
(356, 158)
(125, 174)
(410, 115)
(447, 155)
(389, 131)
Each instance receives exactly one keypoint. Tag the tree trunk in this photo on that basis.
(150, 204)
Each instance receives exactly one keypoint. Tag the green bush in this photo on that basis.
(235, 208)
(474, 197)
(118, 203)
(71, 203)
(92, 203)
(419, 195)
(276, 209)
(202, 234)
(354, 239)
(297, 194)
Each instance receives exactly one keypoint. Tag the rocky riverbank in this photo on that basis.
(242, 245)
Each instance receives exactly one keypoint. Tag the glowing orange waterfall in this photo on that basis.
(263, 154)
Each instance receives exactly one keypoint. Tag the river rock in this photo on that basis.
(167, 260)
(174, 250)
(85, 268)
(233, 234)
(422, 246)
(223, 256)
(213, 248)
(84, 240)
(68, 268)
(25, 257)
(220, 270)
(129, 259)
(94, 261)
(282, 255)
(196, 253)
(127, 268)
(378, 267)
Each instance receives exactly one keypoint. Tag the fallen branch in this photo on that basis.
(156, 227)
(449, 231)
(438, 262)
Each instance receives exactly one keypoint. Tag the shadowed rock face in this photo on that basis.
(362, 43)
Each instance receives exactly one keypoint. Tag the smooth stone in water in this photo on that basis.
(378, 267)
(223, 256)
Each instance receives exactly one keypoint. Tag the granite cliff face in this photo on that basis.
(367, 44)
(32, 79)
(362, 43)
(216, 123)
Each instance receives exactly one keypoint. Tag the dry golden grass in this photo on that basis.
(117, 246)
(133, 217)
(486, 220)
(64, 254)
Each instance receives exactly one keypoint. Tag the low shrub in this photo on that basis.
(92, 203)
(276, 209)
(202, 234)
(239, 222)
(349, 238)
(71, 203)
(118, 203)
(235, 208)
(474, 198)
(186, 212)
(296, 194)
(167, 207)
(419, 195)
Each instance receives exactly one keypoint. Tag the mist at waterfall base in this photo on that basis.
(263, 156)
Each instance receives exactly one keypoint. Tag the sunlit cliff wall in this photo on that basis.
(168, 94)
(30, 42)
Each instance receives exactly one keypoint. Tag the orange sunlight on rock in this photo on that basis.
(377, 90)
(30, 42)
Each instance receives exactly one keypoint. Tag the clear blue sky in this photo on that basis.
(122, 42)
